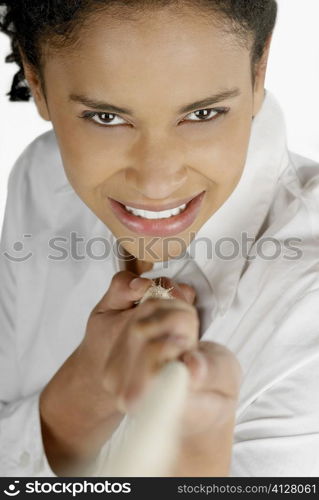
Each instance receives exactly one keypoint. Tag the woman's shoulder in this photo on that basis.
(40, 166)
(36, 184)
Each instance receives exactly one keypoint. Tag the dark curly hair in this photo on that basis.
(29, 22)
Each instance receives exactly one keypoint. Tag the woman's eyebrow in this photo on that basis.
(208, 101)
(105, 106)
(100, 105)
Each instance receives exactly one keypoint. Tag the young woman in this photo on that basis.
(167, 159)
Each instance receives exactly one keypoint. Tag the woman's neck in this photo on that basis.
(135, 265)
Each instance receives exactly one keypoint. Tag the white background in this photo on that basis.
(293, 76)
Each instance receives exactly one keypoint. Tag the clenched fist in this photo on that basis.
(123, 346)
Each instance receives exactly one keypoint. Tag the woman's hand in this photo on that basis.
(209, 416)
(123, 346)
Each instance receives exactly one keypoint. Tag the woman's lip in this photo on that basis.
(158, 227)
(168, 206)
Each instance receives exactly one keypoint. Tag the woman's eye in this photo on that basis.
(106, 119)
(202, 115)
(112, 119)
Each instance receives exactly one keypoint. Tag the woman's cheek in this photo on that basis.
(87, 166)
(231, 153)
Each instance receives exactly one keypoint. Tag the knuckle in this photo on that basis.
(116, 278)
(157, 316)
(134, 331)
(109, 381)
(187, 319)
(152, 306)
(118, 275)
(179, 303)
(145, 307)
(161, 350)
(113, 381)
(149, 303)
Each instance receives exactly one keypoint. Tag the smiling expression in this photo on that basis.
(151, 111)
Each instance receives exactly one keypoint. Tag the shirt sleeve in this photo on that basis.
(21, 449)
(278, 434)
(22, 453)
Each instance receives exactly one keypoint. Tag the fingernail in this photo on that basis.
(136, 283)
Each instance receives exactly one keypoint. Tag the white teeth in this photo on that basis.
(147, 214)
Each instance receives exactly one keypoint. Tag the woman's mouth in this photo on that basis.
(159, 223)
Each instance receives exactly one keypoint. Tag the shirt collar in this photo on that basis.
(247, 206)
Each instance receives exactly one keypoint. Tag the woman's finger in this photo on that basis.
(120, 295)
(220, 371)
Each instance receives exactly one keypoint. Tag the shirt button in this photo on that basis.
(24, 459)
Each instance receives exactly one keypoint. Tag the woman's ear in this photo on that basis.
(260, 76)
(34, 81)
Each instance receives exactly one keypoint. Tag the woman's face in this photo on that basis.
(163, 146)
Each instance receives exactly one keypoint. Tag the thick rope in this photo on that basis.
(152, 433)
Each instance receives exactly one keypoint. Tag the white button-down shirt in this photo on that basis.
(260, 299)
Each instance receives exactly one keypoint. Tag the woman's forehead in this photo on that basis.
(152, 54)
(163, 33)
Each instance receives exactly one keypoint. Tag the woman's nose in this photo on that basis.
(158, 170)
